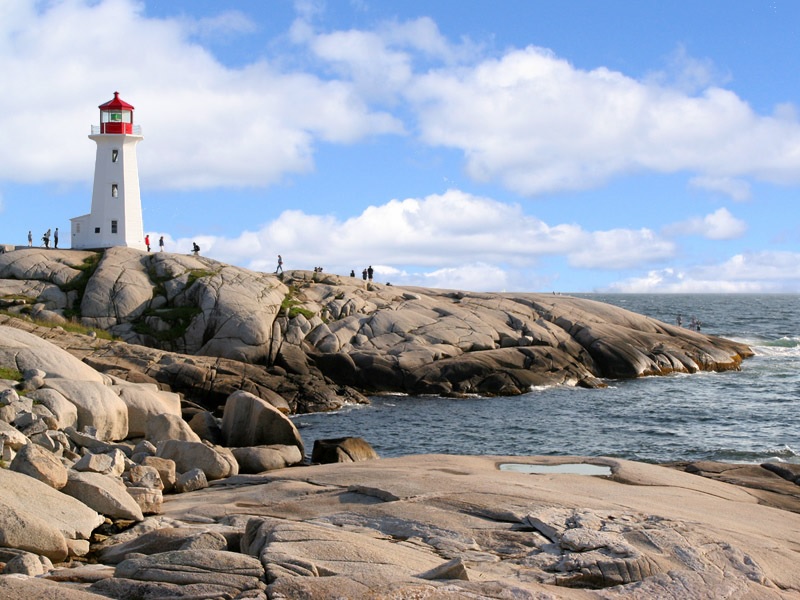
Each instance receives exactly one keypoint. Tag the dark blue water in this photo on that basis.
(749, 416)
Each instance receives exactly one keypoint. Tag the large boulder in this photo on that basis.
(247, 420)
(27, 351)
(257, 459)
(347, 449)
(98, 407)
(64, 411)
(145, 401)
(160, 428)
(119, 289)
(105, 494)
(215, 462)
(39, 519)
(41, 464)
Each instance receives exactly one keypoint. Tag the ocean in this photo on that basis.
(751, 415)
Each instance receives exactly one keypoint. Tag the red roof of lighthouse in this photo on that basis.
(117, 102)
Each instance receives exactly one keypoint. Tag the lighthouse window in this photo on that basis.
(114, 155)
(114, 190)
(113, 227)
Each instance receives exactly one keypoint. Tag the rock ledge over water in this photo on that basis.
(316, 338)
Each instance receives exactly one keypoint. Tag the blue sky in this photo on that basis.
(570, 146)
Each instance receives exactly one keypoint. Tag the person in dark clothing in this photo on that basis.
(364, 274)
(370, 272)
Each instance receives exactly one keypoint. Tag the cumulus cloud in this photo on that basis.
(448, 237)
(205, 124)
(719, 225)
(527, 119)
(534, 122)
(736, 189)
(764, 272)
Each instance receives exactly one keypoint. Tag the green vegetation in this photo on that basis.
(12, 374)
(71, 326)
(178, 318)
(291, 306)
(196, 274)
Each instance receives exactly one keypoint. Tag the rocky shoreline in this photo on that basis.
(169, 468)
(319, 340)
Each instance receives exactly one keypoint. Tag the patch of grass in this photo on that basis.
(178, 318)
(291, 306)
(196, 274)
(12, 374)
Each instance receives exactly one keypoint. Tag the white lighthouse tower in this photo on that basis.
(116, 217)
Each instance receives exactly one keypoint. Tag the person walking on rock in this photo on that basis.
(280, 265)
(55, 238)
(46, 239)
(161, 244)
(30, 239)
(147, 241)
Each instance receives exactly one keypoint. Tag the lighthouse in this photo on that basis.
(116, 217)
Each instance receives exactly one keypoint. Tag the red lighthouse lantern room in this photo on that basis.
(116, 116)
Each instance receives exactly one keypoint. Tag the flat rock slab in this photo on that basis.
(393, 524)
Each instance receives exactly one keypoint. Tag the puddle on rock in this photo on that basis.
(565, 469)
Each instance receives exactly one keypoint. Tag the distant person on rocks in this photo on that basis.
(161, 244)
(46, 239)
(280, 265)
(370, 272)
(352, 273)
(55, 238)
(364, 274)
(195, 249)
(147, 241)
(30, 239)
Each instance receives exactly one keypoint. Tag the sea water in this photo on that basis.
(750, 415)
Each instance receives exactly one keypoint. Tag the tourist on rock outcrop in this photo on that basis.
(30, 239)
(55, 238)
(161, 244)
(352, 273)
(280, 265)
(147, 241)
(46, 239)
(370, 272)
(364, 274)
(195, 249)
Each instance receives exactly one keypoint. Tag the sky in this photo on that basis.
(506, 145)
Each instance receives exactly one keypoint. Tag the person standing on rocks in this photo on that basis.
(370, 272)
(280, 265)
(161, 244)
(55, 238)
(46, 239)
(147, 241)
(364, 274)
(30, 239)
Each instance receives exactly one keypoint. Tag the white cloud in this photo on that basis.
(737, 189)
(441, 234)
(204, 124)
(537, 124)
(719, 225)
(764, 272)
